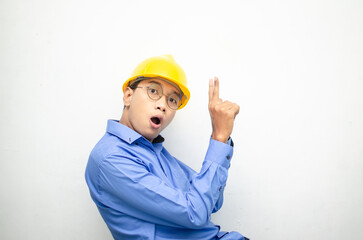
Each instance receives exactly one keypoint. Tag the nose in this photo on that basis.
(161, 104)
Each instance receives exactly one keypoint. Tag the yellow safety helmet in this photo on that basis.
(163, 67)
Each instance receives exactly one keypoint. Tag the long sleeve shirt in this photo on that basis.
(143, 192)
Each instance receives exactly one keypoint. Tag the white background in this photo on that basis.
(294, 67)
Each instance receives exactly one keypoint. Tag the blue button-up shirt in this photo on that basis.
(142, 192)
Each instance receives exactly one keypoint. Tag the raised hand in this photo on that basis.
(222, 113)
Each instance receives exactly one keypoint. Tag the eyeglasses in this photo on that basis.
(155, 92)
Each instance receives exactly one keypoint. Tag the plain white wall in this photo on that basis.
(294, 67)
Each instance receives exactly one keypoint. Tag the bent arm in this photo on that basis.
(127, 186)
(190, 173)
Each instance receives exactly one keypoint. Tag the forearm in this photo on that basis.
(140, 194)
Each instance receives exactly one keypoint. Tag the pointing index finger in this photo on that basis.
(211, 86)
(216, 89)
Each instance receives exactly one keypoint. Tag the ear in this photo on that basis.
(128, 93)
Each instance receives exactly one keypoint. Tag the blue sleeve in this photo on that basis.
(190, 173)
(126, 185)
(220, 200)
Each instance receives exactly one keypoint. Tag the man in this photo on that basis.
(143, 192)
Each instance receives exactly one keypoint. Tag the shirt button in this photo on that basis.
(228, 157)
(137, 144)
(220, 188)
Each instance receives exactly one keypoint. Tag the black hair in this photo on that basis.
(134, 83)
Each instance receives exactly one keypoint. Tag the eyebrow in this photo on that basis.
(160, 85)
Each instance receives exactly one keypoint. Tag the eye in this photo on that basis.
(174, 99)
(153, 90)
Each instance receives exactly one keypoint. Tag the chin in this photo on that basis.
(150, 133)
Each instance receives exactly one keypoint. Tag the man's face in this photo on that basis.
(145, 115)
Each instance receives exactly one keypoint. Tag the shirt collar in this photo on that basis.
(158, 139)
(125, 133)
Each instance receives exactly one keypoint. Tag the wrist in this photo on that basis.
(220, 138)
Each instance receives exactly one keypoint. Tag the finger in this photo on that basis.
(211, 86)
(235, 110)
(216, 89)
(229, 106)
(226, 106)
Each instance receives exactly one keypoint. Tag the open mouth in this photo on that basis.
(156, 120)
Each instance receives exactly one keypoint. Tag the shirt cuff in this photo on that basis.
(230, 142)
(220, 152)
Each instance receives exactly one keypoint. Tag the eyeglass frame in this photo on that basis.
(161, 94)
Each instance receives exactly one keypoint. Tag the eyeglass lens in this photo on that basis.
(155, 92)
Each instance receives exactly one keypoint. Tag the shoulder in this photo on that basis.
(110, 146)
